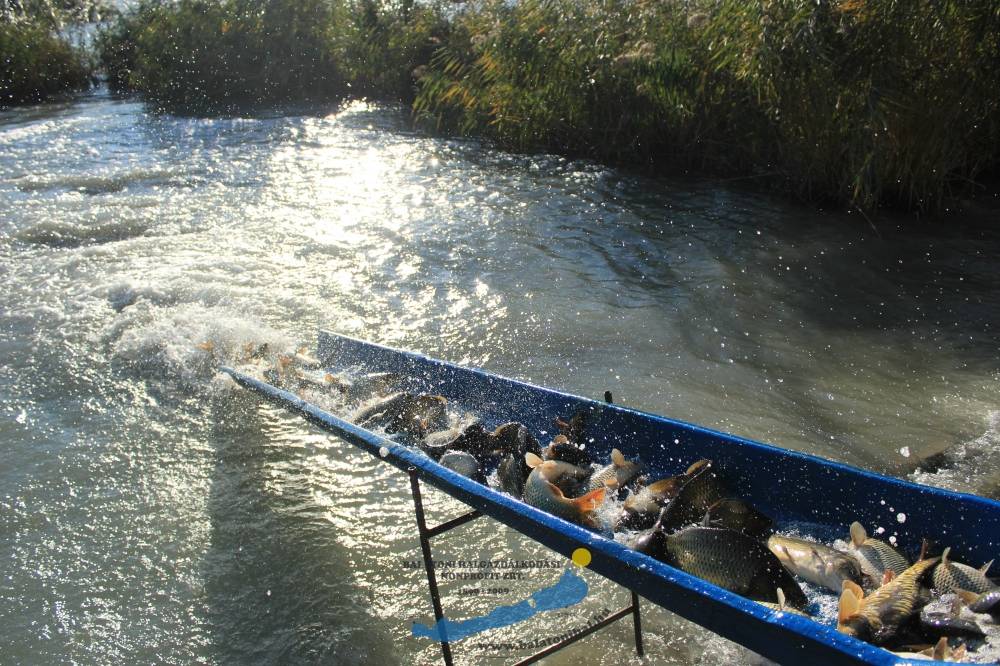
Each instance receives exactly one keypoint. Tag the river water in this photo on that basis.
(149, 512)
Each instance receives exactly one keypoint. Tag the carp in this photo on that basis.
(878, 617)
(642, 507)
(615, 475)
(815, 563)
(725, 558)
(950, 576)
(874, 556)
(542, 491)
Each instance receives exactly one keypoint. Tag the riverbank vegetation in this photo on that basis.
(860, 102)
(221, 56)
(37, 58)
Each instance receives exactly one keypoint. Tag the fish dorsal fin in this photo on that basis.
(855, 589)
(617, 458)
(532, 460)
(986, 567)
(941, 649)
(887, 576)
(707, 520)
(591, 500)
(925, 546)
(781, 598)
(849, 607)
(944, 556)
(858, 534)
(958, 654)
(697, 466)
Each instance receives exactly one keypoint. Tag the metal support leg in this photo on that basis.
(637, 624)
(425, 546)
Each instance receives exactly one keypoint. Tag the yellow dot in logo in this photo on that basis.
(581, 557)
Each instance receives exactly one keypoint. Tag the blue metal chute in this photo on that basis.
(788, 486)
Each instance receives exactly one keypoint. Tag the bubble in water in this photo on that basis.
(892, 540)
(901, 517)
(880, 530)
(384, 451)
(905, 452)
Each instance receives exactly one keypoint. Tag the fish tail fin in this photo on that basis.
(858, 534)
(967, 596)
(591, 500)
(941, 649)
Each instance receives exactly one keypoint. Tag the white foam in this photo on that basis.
(972, 467)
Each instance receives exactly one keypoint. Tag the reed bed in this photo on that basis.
(860, 102)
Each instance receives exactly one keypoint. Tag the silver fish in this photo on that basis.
(988, 602)
(814, 562)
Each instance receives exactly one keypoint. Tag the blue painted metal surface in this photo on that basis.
(787, 485)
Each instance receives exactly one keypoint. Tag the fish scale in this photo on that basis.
(949, 576)
(887, 608)
(731, 561)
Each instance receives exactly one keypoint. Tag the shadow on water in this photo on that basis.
(279, 587)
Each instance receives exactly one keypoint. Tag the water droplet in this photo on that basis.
(905, 452)
(384, 451)
(901, 517)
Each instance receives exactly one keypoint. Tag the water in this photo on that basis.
(149, 513)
